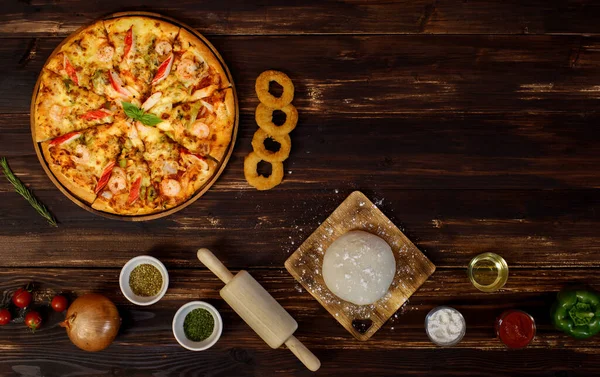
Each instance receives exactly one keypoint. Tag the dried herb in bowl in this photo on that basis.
(145, 280)
(198, 325)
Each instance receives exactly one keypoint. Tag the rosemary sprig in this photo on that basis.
(26, 193)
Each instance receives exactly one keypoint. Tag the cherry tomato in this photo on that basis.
(33, 320)
(22, 298)
(5, 316)
(59, 303)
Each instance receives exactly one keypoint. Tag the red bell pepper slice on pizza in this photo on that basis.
(129, 43)
(70, 70)
(134, 192)
(163, 70)
(95, 114)
(65, 138)
(103, 181)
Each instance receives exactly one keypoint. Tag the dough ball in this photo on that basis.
(359, 267)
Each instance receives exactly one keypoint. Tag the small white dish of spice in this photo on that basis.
(197, 326)
(144, 280)
(445, 326)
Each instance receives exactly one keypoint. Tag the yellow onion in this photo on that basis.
(92, 322)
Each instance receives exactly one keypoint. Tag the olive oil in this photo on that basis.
(488, 272)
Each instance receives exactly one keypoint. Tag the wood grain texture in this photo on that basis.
(146, 343)
(34, 17)
(472, 125)
(382, 74)
(452, 221)
(532, 290)
(540, 228)
(426, 151)
(411, 269)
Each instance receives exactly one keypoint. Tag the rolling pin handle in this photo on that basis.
(303, 354)
(210, 260)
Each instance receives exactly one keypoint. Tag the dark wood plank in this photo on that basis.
(238, 361)
(408, 151)
(376, 75)
(542, 228)
(146, 342)
(451, 221)
(532, 290)
(470, 143)
(318, 17)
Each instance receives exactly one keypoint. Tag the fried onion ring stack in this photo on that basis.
(269, 130)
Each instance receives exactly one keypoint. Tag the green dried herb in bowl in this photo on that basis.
(198, 325)
(145, 280)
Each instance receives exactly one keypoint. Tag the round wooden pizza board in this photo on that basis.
(207, 185)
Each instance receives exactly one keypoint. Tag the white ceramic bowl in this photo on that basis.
(452, 342)
(124, 280)
(180, 334)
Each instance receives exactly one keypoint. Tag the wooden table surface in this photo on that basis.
(472, 125)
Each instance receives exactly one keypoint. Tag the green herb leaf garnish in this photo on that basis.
(138, 114)
(150, 119)
(132, 110)
(21, 189)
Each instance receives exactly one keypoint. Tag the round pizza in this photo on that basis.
(134, 115)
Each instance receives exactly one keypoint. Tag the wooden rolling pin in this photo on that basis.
(259, 309)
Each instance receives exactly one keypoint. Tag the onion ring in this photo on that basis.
(264, 119)
(262, 89)
(258, 181)
(258, 144)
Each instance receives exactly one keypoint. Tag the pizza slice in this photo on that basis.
(62, 107)
(177, 172)
(209, 75)
(192, 72)
(80, 58)
(129, 190)
(83, 160)
(141, 45)
(220, 117)
(203, 127)
(108, 83)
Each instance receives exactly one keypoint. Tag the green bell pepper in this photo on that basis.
(577, 313)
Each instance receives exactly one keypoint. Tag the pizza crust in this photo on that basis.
(168, 28)
(55, 61)
(81, 192)
(224, 129)
(205, 53)
(104, 206)
(201, 181)
(122, 24)
(39, 115)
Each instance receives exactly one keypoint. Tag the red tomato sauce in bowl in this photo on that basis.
(515, 328)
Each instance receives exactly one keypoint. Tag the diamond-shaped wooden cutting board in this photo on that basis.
(357, 212)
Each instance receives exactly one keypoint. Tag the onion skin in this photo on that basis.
(92, 322)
